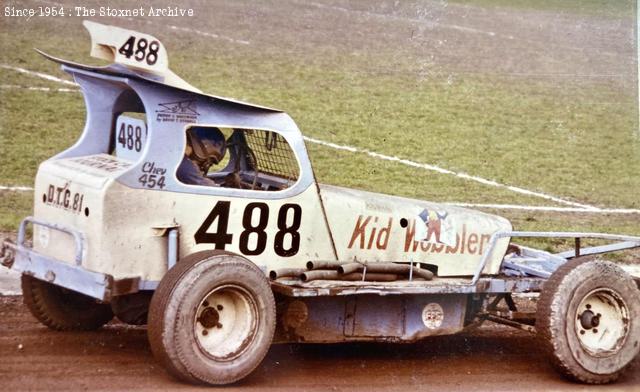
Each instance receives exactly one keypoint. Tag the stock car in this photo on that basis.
(219, 272)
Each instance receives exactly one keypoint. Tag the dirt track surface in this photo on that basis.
(118, 357)
(447, 40)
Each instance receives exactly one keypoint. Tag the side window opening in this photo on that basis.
(128, 127)
(238, 158)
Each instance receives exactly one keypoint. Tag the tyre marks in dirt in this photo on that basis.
(117, 357)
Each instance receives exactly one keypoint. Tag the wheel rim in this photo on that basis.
(602, 322)
(225, 322)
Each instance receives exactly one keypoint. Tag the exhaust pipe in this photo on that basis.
(330, 270)
(285, 272)
(370, 277)
(323, 265)
(349, 268)
(402, 269)
(387, 268)
(354, 276)
(308, 276)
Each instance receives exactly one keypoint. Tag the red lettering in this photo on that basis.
(437, 248)
(424, 246)
(451, 249)
(358, 231)
(464, 238)
(408, 238)
(471, 243)
(383, 236)
(373, 234)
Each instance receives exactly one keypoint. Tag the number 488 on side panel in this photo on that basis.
(220, 237)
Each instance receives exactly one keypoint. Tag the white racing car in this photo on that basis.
(200, 216)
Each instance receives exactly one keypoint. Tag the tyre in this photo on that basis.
(62, 309)
(132, 309)
(212, 318)
(588, 320)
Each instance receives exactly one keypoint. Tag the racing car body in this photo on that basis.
(114, 222)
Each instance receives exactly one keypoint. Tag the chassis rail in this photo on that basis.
(626, 242)
(490, 285)
(521, 274)
(524, 273)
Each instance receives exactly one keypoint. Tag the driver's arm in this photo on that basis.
(189, 173)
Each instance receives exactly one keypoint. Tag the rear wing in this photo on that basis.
(133, 49)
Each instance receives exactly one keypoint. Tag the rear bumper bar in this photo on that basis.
(73, 277)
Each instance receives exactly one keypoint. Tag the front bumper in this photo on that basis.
(22, 258)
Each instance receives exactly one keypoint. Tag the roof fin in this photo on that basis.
(134, 50)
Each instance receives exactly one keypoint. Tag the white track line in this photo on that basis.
(38, 74)
(438, 24)
(50, 2)
(576, 206)
(59, 90)
(16, 188)
(545, 208)
(405, 18)
(197, 32)
(211, 35)
(451, 172)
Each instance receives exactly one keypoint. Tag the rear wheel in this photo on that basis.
(212, 318)
(588, 319)
(62, 309)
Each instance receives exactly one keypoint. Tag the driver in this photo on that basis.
(205, 147)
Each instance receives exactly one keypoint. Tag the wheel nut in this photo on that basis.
(582, 332)
(588, 306)
(595, 330)
(219, 307)
(588, 320)
(209, 318)
(205, 303)
(219, 326)
(205, 332)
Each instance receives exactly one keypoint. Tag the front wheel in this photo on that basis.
(588, 319)
(212, 318)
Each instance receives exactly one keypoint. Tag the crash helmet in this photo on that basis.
(208, 146)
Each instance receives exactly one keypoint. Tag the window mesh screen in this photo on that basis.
(273, 154)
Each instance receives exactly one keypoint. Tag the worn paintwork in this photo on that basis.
(375, 227)
(319, 288)
(112, 216)
(97, 190)
(120, 227)
(370, 317)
